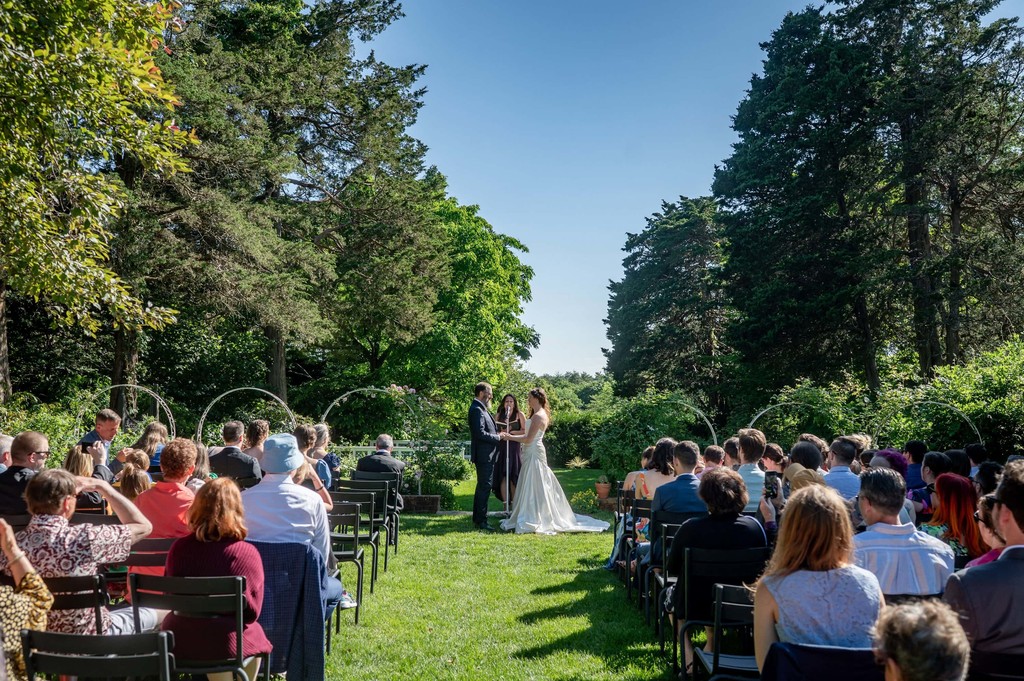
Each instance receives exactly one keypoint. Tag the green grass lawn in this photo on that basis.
(462, 604)
(571, 481)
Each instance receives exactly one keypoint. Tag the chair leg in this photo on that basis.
(375, 546)
(266, 666)
(398, 523)
(359, 589)
(387, 543)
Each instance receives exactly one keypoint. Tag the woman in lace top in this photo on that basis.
(22, 607)
(811, 591)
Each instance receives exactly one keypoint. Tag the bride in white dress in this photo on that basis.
(539, 505)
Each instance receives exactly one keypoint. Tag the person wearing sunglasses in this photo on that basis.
(989, 534)
(29, 452)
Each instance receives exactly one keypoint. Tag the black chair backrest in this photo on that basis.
(367, 502)
(93, 519)
(92, 510)
(729, 566)
(624, 500)
(148, 553)
(668, 534)
(733, 604)
(17, 522)
(345, 516)
(996, 667)
(200, 597)
(79, 593)
(794, 662)
(84, 656)
(394, 478)
(661, 517)
(382, 489)
(246, 483)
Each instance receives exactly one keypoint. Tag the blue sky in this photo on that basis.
(570, 121)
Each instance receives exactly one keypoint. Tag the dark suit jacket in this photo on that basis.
(720, 532)
(990, 600)
(678, 496)
(13, 482)
(232, 462)
(483, 433)
(383, 462)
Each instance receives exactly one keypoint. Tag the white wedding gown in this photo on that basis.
(539, 505)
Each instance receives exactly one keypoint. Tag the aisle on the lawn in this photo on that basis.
(463, 604)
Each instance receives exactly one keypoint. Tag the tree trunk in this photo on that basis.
(125, 370)
(919, 251)
(278, 365)
(5, 363)
(860, 310)
(956, 294)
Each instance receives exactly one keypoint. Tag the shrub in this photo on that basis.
(635, 423)
(584, 501)
(571, 436)
(435, 470)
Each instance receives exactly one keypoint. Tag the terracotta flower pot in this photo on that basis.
(603, 489)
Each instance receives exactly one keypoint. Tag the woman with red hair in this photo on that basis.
(953, 521)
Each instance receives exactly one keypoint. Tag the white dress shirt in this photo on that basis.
(278, 510)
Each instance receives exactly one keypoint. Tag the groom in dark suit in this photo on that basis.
(483, 448)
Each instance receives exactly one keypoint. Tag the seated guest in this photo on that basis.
(990, 598)
(278, 510)
(323, 440)
(960, 462)
(774, 459)
(381, 461)
(978, 454)
(925, 499)
(802, 471)
(725, 528)
(59, 549)
(731, 447)
(659, 472)
(714, 457)
(921, 641)
(23, 606)
(986, 479)
(906, 561)
(216, 547)
(230, 461)
(5, 452)
(107, 423)
(953, 521)
(305, 436)
(167, 503)
(678, 496)
(893, 460)
(752, 444)
(255, 433)
(989, 534)
(28, 456)
(201, 473)
(134, 478)
(812, 562)
(645, 461)
(839, 477)
(154, 437)
(914, 452)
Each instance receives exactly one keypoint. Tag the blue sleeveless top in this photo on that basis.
(830, 608)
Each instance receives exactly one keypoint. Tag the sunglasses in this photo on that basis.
(44, 454)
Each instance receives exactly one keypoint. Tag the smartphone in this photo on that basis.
(772, 484)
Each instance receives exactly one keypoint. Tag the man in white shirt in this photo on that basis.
(278, 510)
(906, 561)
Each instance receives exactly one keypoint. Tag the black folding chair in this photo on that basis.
(731, 567)
(787, 661)
(79, 593)
(200, 598)
(395, 480)
(97, 657)
(371, 535)
(93, 519)
(654, 579)
(143, 553)
(641, 511)
(385, 516)
(345, 546)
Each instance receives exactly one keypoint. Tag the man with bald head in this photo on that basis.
(28, 456)
(5, 452)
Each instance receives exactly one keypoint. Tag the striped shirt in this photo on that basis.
(906, 561)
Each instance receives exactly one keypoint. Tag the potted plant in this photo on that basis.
(603, 487)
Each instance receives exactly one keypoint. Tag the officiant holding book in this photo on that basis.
(506, 468)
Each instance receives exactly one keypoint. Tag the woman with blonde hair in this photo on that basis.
(152, 441)
(811, 591)
(134, 478)
(256, 434)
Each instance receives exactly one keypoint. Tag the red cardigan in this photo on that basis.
(214, 638)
